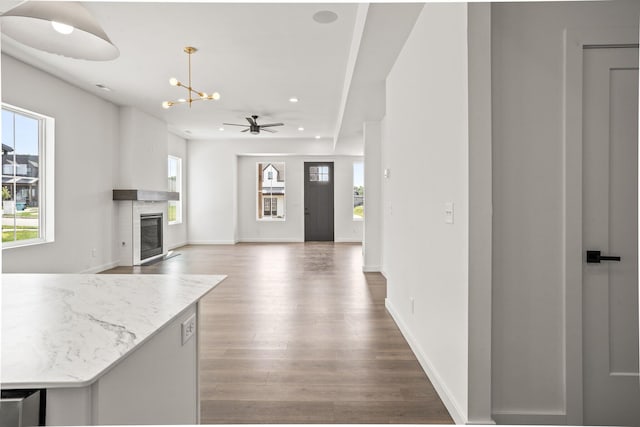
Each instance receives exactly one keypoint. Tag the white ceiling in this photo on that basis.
(256, 56)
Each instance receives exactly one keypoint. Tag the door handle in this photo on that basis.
(594, 257)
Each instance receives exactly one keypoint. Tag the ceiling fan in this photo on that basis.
(254, 127)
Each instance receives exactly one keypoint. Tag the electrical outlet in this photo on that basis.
(188, 328)
(94, 252)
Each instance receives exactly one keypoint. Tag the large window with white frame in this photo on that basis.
(271, 191)
(358, 191)
(175, 185)
(27, 199)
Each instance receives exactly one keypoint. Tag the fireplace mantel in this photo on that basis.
(145, 195)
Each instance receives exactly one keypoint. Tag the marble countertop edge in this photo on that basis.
(91, 377)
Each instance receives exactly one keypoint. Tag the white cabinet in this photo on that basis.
(155, 384)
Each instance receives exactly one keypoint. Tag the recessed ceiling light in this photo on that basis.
(325, 17)
(317, 136)
(103, 87)
(221, 129)
(300, 128)
(293, 99)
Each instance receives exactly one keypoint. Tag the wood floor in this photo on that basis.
(298, 334)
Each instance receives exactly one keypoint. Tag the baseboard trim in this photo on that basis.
(212, 242)
(271, 240)
(443, 391)
(100, 268)
(178, 245)
(371, 268)
(346, 240)
(481, 423)
(539, 418)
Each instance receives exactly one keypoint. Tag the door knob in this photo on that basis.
(594, 257)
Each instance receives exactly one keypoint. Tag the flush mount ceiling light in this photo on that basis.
(189, 50)
(61, 28)
(325, 17)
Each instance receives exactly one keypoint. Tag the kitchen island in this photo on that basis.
(108, 349)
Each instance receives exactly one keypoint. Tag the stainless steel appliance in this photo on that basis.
(22, 408)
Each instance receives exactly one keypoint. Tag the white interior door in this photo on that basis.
(610, 225)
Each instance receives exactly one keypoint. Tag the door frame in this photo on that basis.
(574, 42)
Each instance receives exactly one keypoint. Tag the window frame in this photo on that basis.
(46, 178)
(353, 196)
(178, 203)
(260, 209)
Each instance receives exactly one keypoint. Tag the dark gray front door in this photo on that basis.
(318, 201)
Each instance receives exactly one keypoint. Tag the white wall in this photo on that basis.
(142, 166)
(425, 146)
(528, 291)
(143, 151)
(292, 230)
(213, 181)
(480, 205)
(177, 233)
(372, 238)
(86, 152)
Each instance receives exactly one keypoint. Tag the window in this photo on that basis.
(358, 191)
(175, 184)
(271, 191)
(319, 173)
(27, 214)
(270, 206)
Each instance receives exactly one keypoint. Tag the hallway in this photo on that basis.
(298, 334)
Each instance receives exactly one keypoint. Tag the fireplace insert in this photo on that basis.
(150, 235)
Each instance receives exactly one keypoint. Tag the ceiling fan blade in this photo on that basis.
(235, 124)
(251, 121)
(272, 124)
(246, 130)
(268, 130)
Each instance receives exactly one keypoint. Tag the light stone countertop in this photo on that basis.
(66, 330)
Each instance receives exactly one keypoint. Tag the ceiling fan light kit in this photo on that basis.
(194, 95)
(58, 27)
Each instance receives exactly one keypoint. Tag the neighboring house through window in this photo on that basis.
(358, 191)
(271, 191)
(27, 177)
(175, 185)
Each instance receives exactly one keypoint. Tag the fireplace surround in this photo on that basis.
(131, 214)
(133, 206)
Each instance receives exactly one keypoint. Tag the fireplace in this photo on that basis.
(150, 235)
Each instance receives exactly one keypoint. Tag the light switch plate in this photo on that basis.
(448, 213)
